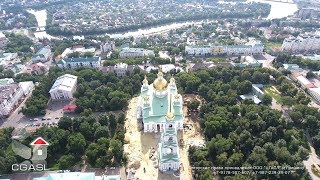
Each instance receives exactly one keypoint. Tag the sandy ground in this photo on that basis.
(140, 145)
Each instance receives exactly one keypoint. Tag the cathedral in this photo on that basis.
(161, 111)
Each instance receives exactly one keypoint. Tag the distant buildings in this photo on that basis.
(199, 50)
(120, 69)
(3, 41)
(250, 48)
(292, 67)
(79, 49)
(247, 61)
(302, 43)
(7, 58)
(311, 88)
(38, 69)
(107, 47)
(135, 53)
(42, 55)
(168, 67)
(71, 63)
(63, 87)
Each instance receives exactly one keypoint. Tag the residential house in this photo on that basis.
(42, 55)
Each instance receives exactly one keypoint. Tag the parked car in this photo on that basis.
(35, 119)
(49, 118)
(43, 119)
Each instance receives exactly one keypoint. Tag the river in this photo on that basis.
(41, 17)
(278, 10)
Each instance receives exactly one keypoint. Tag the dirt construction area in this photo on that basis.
(141, 148)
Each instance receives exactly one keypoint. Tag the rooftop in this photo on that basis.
(80, 59)
(44, 50)
(65, 82)
(7, 90)
(6, 81)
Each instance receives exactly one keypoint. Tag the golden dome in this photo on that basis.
(160, 83)
(172, 80)
(170, 115)
(145, 81)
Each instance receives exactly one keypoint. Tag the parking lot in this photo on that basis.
(53, 114)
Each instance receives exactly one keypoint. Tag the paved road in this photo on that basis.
(313, 159)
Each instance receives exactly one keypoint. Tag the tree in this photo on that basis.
(65, 123)
(266, 99)
(245, 87)
(66, 161)
(219, 145)
(101, 131)
(88, 54)
(206, 175)
(76, 144)
(193, 105)
(117, 149)
(287, 101)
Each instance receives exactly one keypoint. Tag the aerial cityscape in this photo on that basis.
(159, 89)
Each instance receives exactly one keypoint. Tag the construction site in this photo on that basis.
(141, 148)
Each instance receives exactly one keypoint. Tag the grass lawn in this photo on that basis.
(273, 93)
(271, 45)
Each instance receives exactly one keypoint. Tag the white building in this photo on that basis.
(80, 49)
(63, 87)
(198, 50)
(120, 69)
(250, 48)
(315, 93)
(71, 63)
(106, 47)
(10, 95)
(135, 53)
(3, 41)
(302, 43)
(26, 87)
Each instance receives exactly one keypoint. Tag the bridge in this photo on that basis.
(38, 28)
(282, 1)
